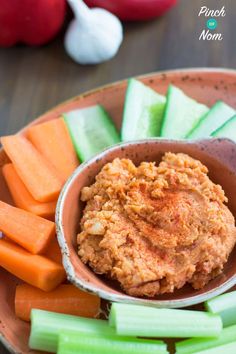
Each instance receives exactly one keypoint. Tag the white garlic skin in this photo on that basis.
(95, 40)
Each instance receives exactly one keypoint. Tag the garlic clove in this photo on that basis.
(94, 36)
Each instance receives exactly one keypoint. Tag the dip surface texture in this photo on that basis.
(155, 228)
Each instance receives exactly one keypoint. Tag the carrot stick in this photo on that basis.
(53, 251)
(22, 197)
(53, 141)
(36, 270)
(35, 171)
(66, 298)
(28, 230)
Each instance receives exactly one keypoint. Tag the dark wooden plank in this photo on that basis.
(32, 80)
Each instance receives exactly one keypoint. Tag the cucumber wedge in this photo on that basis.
(181, 115)
(91, 130)
(216, 117)
(143, 112)
(227, 130)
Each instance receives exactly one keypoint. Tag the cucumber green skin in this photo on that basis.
(216, 117)
(143, 112)
(91, 130)
(181, 115)
(227, 130)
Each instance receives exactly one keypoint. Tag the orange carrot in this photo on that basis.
(22, 197)
(28, 230)
(53, 251)
(34, 170)
(53, 141)
(64, 299)
(36, 270)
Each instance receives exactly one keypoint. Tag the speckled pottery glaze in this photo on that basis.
(205, 85)
(219, 155)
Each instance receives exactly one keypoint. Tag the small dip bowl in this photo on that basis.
(219, 155)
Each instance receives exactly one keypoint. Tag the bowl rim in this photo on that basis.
(191, 70)
(69, 268)
(7, 344)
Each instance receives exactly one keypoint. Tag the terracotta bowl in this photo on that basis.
(219, 155)
(205, 85)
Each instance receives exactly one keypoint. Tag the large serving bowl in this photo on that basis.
(205, 85)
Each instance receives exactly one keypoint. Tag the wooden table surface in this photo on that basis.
(32, 80)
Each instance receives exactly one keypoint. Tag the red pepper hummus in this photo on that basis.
(155, 228)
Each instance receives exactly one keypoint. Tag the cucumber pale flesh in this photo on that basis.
(227, 130)
(91, 130)
(143, 112)
(215, 118)
(181, 115)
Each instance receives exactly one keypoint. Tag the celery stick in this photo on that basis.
(133, 320)
(225, 306)
(45, 328)
(229, 348)
(73, 343)
(193, 345)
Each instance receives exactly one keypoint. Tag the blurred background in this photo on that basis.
(34, 79)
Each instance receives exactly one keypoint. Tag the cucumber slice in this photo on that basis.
(143, 112)
(91, 130)
(218, 115)
(182, 114)
(227, 130)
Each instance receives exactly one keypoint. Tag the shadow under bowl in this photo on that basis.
(219, 155)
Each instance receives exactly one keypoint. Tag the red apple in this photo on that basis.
(33, 22)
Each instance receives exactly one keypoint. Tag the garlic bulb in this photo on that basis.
(93, 36)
